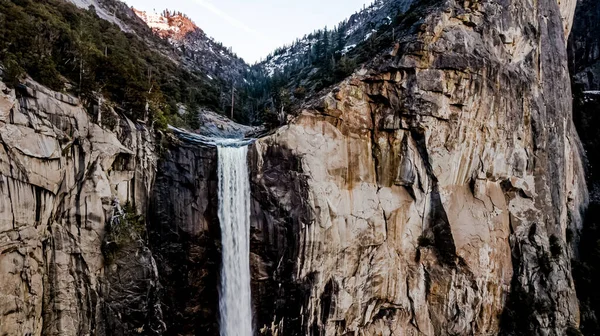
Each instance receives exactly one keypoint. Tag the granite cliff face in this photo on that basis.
(439, 190)
(185, 234)
(442, 183)
(61, 173)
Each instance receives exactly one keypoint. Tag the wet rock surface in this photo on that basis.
(185, 238)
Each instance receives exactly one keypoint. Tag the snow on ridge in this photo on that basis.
(359, 27)
(348, 48)
(369, 34)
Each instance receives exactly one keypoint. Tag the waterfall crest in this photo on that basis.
(234, 215)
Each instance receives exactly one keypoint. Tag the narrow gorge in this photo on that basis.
(439, 188)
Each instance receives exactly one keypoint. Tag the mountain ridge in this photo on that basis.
(267, 91)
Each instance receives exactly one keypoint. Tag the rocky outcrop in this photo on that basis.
(60, 175)
(437, 190)
(197, 50)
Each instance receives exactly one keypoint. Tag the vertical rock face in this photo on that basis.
(60, 175)
(585, 46)
(584, 63)
(185, 235)
(436, 191)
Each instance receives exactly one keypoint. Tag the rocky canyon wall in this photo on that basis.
(61, 174)
(438, 190)
(185, 236)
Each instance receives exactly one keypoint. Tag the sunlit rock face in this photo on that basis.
(437, 190)
(61, 172)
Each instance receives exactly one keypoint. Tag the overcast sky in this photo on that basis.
(254, 28)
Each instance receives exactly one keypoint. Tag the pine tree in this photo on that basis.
(340, 39)
(325, 46)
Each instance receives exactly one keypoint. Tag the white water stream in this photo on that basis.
(234, 215)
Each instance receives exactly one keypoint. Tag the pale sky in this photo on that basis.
(254, 28)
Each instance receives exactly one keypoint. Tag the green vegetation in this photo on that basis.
(123, 230)
(73, 50)
(424, 241)
(320, 60)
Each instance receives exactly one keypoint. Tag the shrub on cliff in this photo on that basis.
(125, 228)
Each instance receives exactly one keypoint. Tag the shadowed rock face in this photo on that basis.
(584, 51)
(185, 238)
(280, 206)
(584, 57)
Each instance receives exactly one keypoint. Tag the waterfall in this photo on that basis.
(234, 215)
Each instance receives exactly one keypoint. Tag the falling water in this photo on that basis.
(234, 215)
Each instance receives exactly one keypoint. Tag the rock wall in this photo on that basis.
(185, 238)
(60, 175)
(584, 46)
(435, 192)
(584, 56)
